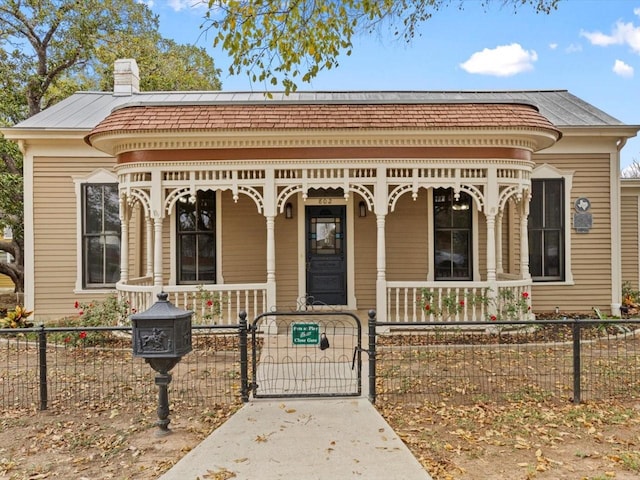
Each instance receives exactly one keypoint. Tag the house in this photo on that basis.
(630, 250)
(405, 202)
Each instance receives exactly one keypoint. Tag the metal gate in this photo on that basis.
(306, 354)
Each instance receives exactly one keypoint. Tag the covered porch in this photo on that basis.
(378, 203)
(418, 210)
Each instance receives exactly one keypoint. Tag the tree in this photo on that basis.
(290, 41)
(51, 48)
(632, 171)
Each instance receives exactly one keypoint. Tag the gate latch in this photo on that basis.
(355, 352)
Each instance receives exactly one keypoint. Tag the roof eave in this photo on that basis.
(627, 131)
(13, 133)
(117, 142)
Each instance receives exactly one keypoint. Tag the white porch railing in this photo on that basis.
(458, 302)
(211, 304)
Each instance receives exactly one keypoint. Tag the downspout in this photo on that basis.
(616, 229)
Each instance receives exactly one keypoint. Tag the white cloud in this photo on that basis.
(622, 34)
(573, 48)
(636, 11)
(622, 69)
(553, 46)
(502, 61)
(148, 3)
(179, 5)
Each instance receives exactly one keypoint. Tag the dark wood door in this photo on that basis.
(326, 255)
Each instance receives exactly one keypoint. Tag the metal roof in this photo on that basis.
(84, 110)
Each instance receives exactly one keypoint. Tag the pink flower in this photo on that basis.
(76, 305)
(209, 303)
(82, 334)
(493, 318)
(80, 312)
(462, 303)
(525, 295)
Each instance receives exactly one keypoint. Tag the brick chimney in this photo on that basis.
(126, 77)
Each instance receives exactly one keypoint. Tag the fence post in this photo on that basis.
(42, 361)
(372, 356)
(244, 365)
(576, 362)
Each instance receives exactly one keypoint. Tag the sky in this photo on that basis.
(589, 47)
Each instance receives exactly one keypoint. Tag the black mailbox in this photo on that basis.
(162, 331)
(162, 336)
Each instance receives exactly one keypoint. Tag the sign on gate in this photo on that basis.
(305, 333)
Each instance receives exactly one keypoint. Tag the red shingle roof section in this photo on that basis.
(327, 116)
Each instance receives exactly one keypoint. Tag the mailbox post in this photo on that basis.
(162, 336)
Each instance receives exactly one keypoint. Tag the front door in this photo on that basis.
(326, 255)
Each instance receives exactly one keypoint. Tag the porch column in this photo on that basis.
(381, 208)
(157, 251)
(524, 237)
(149, 246)
(499, 266)
(124, 251)
(491, 248)
(381, 268)
(270, 212)
(157, 213)
(124, 239)
(271, 261)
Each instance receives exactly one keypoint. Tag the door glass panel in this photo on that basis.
(326, 236)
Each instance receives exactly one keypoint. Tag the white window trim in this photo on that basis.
(173, 247)
(97, 176)
(475, 240)
(546, 172)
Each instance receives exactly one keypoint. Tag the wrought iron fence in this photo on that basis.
(571, 360)
(576, 360)
(90, 366)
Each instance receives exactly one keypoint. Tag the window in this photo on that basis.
(196, 238)
(546, 230)
(100, 235)
(452, 229)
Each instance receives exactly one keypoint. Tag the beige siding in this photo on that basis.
(287, 257)
(365, 257)
(481, 225)
(630, 205)
(591, 252)
(407, 239)
(55, 221)
(244, 239)
(137, 243)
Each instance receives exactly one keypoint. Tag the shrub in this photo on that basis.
(17, 318)
(109, 312)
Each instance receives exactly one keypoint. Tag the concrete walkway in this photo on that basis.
(302, 439)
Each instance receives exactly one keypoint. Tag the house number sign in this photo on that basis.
(582, 219)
